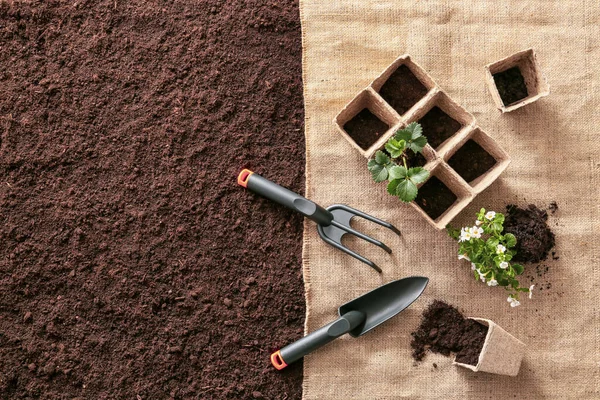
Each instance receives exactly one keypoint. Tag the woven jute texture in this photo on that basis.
(555, 147)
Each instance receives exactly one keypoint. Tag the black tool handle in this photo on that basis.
(295, 351)
(285, 197)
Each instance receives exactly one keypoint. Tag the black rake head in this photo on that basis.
(333, 233)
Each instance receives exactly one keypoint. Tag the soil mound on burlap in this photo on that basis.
(444, 330)
(131, 263)
(530, 227)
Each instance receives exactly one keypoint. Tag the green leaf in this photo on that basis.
(496, 227)
(418, 174)
(511, 240)
(492, 243)
(454, 233)
(415, 129)
(391, 187)
(518, 268)
(381, 158)
(379, 172)
(406, 191)
(417, 144)
(397, 172)
(395, 147)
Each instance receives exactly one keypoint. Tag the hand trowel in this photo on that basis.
(357, 317)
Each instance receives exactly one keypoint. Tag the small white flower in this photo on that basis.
(476, 232)
(500, 249)
(503, 265)
(531, 291)
(513, 302)
(464, 257)
(465, 235)
(481, 276)
(478, 222)
(473, 267)
(492, 282)
(490, 215)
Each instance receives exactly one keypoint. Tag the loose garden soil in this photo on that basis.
(402, 90)
(132, 266)
(511, 85)
(471, 161)
(365, 128)
(434, 197)
(444, 330)
(530, 227)
(438, 126)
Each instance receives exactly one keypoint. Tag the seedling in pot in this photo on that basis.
(490, 253)
(402, 179)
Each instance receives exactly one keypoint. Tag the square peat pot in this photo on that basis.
(403, 84)
(442, 196)
(516, 81)
(502, 353)
(478, 159)
(444, 122)
(367, 122)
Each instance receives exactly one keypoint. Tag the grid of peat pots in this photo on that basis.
(405, 93)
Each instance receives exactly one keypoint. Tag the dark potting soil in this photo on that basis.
(471, 161)
(438, 126)
(530, 227)
(365, 128)
(402, 90)
(131, 263)
(434, 197)
(511, 85)
(444, 330)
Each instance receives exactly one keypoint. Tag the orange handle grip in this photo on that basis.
(243, 177)
(277, 360)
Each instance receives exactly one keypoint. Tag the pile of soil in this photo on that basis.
(530, 227)
(511, 85)
(434, 197)
(365, 128)
(402, 90)
(132, 265)
(471, 161)
(444, 330)
(438, 126)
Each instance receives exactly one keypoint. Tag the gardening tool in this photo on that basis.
(356, 317)
(332, 223)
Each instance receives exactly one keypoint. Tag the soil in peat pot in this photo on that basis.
(530, 227)
(434, 197)
(471, 161)
(511, 85)
(402, 90)
(444, 330)
(414, 159)
(365, 128)
(132, 265)
(438, 126)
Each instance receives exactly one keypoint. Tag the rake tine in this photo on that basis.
(350, 252)
(372, 219)
(361, 235)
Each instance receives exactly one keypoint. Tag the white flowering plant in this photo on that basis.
(490, 253)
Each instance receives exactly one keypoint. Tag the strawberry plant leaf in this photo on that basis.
(397, 172)
(391, 187)
(417, 144)
(395, 147)
(381, 158)
(418, 174)
(406, 190)
(379, 172)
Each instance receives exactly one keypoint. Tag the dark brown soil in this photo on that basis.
(415, 159)
(365, 128)
(511, 85)
(471, 161)
(438, 126)
(534, 237)
(444, 330)
(402, 90)
(434, 197)
(132, 266)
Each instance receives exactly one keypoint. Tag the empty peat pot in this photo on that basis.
(501, 354)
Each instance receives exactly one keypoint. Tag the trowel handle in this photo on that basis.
(285, 197)
(295, 351)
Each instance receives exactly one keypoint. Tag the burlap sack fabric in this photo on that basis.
(555, 151)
